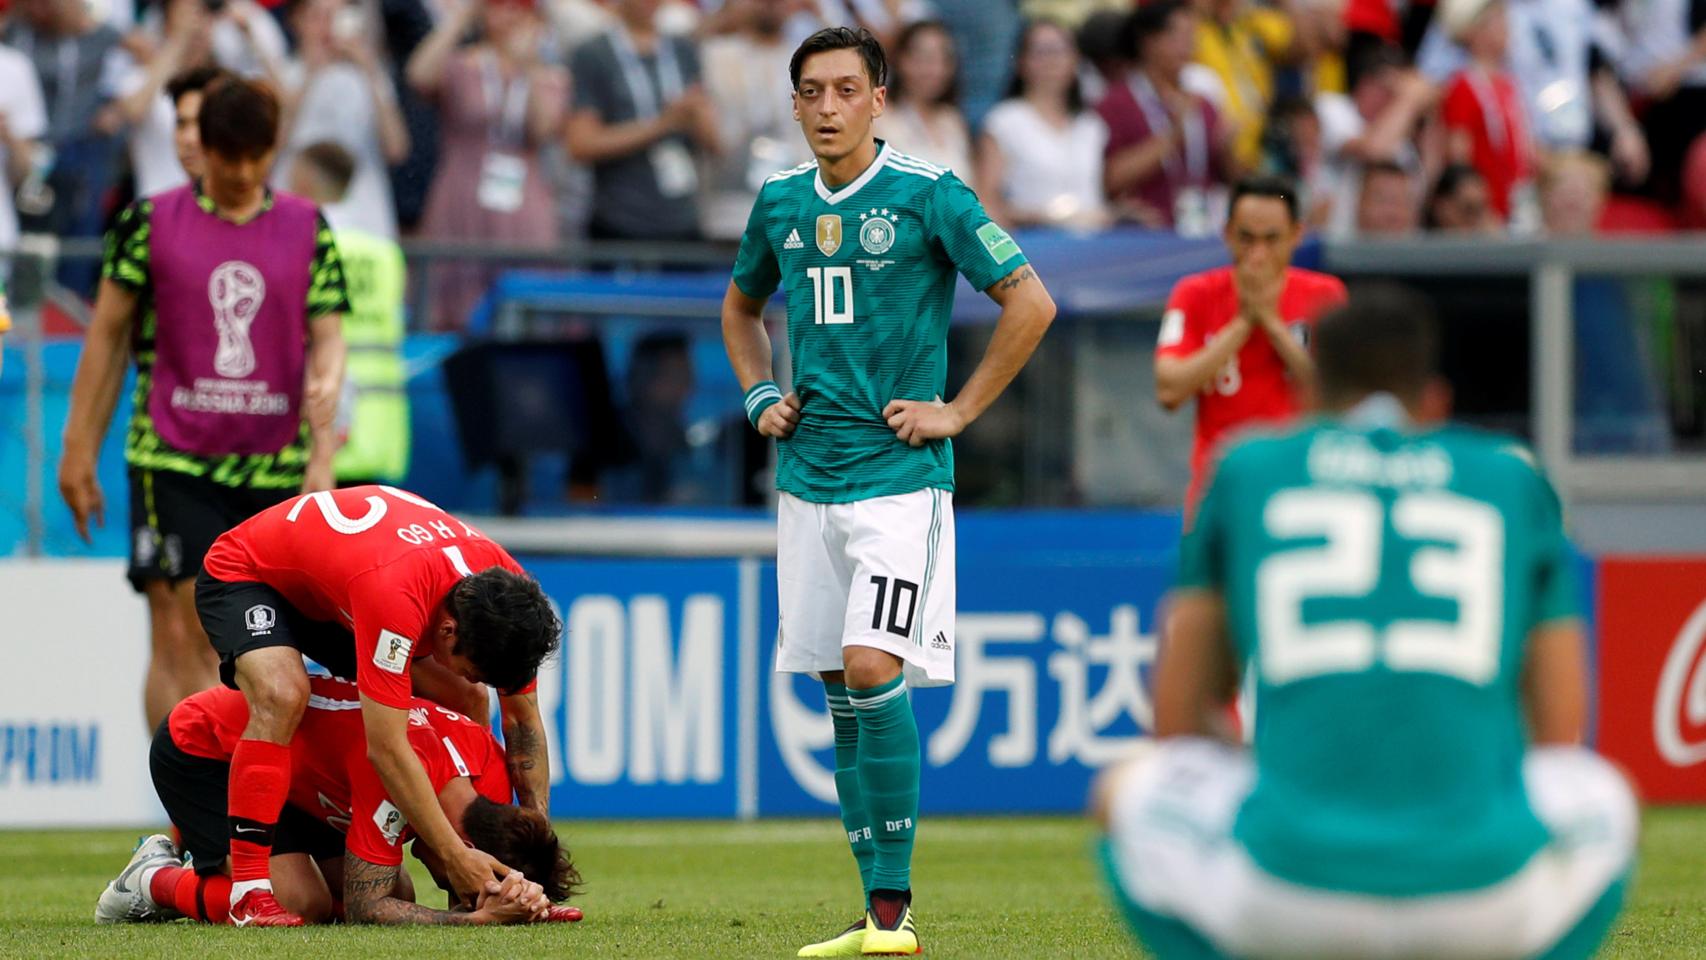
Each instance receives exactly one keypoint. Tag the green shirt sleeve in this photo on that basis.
(125, 259)
(327, 292)
(963, 233)
(756, 272)
(1202, 550)
(1556, 593)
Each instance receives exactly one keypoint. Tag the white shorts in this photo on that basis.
(871, 573)
(1173, 852)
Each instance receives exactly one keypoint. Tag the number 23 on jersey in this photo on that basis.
(1459, 556)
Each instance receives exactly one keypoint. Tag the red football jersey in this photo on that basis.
(331, 777)
(1254, 387)
(473, 750)
(377, 559)
(1490, 108)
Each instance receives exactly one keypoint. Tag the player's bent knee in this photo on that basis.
(1113, 779)
(300, 888)
(276, 686)
(869, 667)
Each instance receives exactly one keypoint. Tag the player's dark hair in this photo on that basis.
(1016, 86)
(1265, 185)
(239, 118)
(908, 36)
(505, 625)
(523, 839)
(1147, 21)
(843, 38)
(334, 165)
(193, 80)
(1385, 339)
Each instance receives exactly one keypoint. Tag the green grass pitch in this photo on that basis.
(987, 889)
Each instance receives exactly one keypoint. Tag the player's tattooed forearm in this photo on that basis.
(522, 742)
(1014, 280)
(367, 897)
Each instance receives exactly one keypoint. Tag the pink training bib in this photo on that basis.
(231, 335)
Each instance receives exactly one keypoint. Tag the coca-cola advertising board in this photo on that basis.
(1652, 673)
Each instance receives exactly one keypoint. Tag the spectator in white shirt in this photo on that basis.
(23, 123)
(923, 116)
(746, 77)
(75, 59)
(1377, 122)
(1040, 154)
(1663, 59)
(336, 90)
(184, 44)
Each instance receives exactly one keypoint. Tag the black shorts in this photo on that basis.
(174, 519)
(240, 617)
(194, 792)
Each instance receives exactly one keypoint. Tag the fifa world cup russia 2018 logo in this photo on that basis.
(236, 291)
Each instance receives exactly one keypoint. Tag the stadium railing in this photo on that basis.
(1048, 449)
(1558, 274)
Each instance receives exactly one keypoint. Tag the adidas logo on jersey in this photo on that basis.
(793, 242)
(940, 641)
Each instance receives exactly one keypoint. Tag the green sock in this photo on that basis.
(853, 815)
(889, 762)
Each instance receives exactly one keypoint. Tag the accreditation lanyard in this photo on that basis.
(1493, 118)
(70, 62)
(646, 96)
(1160, 122)
(508, 99)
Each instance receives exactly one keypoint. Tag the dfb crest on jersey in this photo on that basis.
(829, 233)
(876, 233)
(260, 619)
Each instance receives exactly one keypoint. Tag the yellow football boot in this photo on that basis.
(847, 943)
(901, 939)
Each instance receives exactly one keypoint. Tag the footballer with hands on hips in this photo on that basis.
(867, 242)
(379, 585)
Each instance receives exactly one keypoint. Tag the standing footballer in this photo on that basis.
(1236, 337)
(866, 242)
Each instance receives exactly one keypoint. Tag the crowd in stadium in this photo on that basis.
(533, 122)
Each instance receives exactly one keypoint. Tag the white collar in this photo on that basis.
(1376, 411)
(847, 190)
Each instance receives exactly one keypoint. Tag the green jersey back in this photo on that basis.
(1380, 587)
(869, 273)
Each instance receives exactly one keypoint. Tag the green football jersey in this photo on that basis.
(869, 270)
(1380, 587)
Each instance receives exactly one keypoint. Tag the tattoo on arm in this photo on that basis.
(368, 889)
(522, 742)
(1015, 279)
(522, 748)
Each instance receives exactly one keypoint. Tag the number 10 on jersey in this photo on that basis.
(826, 295)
